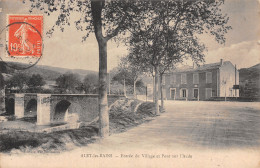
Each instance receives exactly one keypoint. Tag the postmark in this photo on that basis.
(23, 41)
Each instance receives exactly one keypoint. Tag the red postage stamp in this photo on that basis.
(24, 36)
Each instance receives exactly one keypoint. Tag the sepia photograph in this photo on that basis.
(130, 83)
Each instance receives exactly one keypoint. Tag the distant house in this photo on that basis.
(219, 79)
(50, 85)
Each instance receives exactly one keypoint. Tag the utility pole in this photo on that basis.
(146, 92)
(124, 88)
(235, 80)
(109, 83)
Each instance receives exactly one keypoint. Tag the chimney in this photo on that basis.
(221, 61)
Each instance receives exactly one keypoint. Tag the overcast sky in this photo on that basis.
(65, 49)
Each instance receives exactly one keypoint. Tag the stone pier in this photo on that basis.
(43, 109)
(19, 105)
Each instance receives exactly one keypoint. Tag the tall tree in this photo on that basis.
(171, 33)
(128, 73)
(68, 82)
(18, 82)
(35, 82)
(106, 19)
(90, 84)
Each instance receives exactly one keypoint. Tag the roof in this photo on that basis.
(200, 67)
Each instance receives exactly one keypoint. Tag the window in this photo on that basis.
(183, 79)
(173, 79)
(208, 93)
(208, 77)
(196, 78)
(184, 93)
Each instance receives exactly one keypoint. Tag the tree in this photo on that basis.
(35, 82)
(171, 34)
(68, 82)
(106, 19)
(128, 74)
(90, 84)
(18, 82)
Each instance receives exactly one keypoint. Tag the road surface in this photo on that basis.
(189, 134)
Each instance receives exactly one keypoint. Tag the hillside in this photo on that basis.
(249, 73)
(47, 72)
(249, 81)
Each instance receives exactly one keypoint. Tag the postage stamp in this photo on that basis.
(24, 35)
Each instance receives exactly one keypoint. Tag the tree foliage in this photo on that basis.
(129, 74)
(68, 82)
(36, 81)
(18, 82)
(171, 34)
(90, 84)
(2, 82)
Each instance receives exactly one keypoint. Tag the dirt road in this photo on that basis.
(189, 134)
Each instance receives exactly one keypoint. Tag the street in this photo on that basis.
(188, 134)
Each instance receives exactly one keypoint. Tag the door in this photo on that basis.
(196, 93)
(208, 93)
(173, 93)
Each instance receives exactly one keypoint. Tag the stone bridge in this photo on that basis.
(56, 108)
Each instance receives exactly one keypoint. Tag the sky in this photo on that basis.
(65, 49)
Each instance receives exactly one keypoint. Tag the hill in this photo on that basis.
(49, 73)
(249, 81)
(249, 73)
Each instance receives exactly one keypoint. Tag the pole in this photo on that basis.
(124, 88)
(235, 80)
(109, 83)
(146, 92)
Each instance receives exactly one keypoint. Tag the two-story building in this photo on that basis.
(219, 79)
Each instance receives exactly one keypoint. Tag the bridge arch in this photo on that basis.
(61, 110)
(31, 108)
(9, 106)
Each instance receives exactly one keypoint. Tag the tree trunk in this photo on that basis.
(153, 90)
(161, 91)
(103, 107)
(156, 91)
(124, 88)
(96, 9)
(134, 90)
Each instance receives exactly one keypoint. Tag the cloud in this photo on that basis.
(244, 54)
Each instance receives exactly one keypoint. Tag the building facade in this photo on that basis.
(202, 82)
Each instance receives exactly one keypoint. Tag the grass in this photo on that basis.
(121, 116)
(121, 121)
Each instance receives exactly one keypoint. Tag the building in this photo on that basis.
(219, 79)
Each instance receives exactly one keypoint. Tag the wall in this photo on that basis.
(227, 80)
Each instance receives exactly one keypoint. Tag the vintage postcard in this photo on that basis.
(119, 83)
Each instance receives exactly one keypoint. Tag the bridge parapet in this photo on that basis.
(56, 108)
